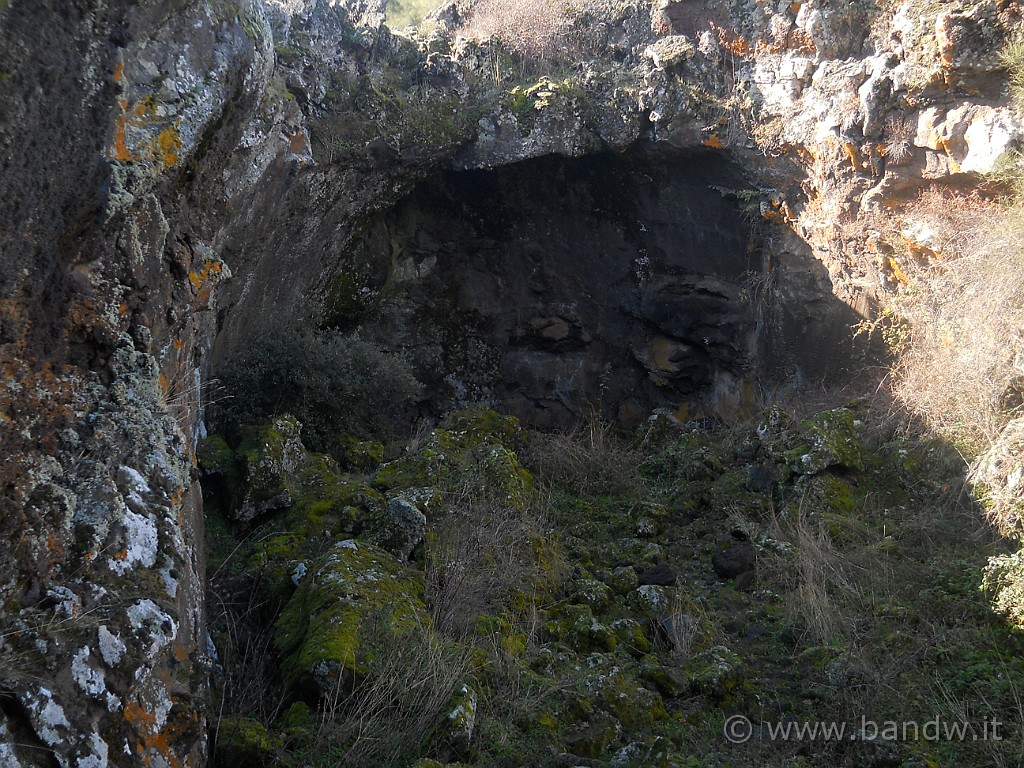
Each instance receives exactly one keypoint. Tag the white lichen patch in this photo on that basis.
(140, 545)
(49, 720)
(67, 602)
(99, 753)
(653, 596)
(90, 680)
(152, 625)
(7, 757)
(135, 487)
(112, 648)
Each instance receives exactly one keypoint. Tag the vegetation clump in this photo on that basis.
(584, 618)
(335, 384)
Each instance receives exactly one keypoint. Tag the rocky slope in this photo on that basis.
(175, 171)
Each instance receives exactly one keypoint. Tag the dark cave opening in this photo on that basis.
(556, 288)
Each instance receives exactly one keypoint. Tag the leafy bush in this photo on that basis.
(331, 382)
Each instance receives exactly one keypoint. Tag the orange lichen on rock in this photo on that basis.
(153, 742)
(853, 154)
(198, 277)
(779, 212)
(796, 41)
(205, 278)
(897, 271)
(121, 151)
(166, 146)
(713, 141)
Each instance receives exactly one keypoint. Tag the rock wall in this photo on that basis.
(119, 124)
(615, 283)
(153, 150)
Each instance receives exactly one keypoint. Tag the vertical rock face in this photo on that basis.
(151, 150)
(555, 288)
(115, 115)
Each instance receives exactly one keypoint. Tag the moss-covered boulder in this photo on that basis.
(620, 694)
(650, 600)
(776, 433)
(327, 506)
(244, 741)
(576, 626)
(622, 579)
(477, 424)
(328, 499)
(271, 457)
(399, 528)
(355, 454)
(716, 672)
(829, 440)
(591, 592)
(631, 636)
(455, 731)
(473, 449)
(357, 599)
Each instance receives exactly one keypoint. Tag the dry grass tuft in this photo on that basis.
(537, 30)
(899, 140)
(482, 557)
(819, 585)
(963, 316)
(1012, 57)
(394, 710)
(590, 459)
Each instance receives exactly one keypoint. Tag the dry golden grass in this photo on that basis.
(962, 311)
(395, 709)
(591, 458)
(483, 557)
(537, 30)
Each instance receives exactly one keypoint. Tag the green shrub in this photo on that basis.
(1012, 57)
(333, 383)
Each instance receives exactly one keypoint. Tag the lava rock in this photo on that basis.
(737, 559)
(661, 575)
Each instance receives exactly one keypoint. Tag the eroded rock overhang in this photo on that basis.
(613, 284)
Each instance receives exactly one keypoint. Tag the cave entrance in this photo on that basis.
(555, 288)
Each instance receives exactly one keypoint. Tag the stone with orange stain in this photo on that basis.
(713, 141)
(853, 154)
(121, 151)
(166, 146)
(154, 746)
(206, 278)
(897, 271)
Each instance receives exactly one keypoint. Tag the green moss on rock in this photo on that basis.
(576, 626)
(244, 741)
(716, 672)
(271, 457)
(357, 598)
(472, 450)
(829, 440)
(357, 455)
